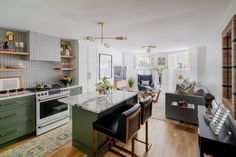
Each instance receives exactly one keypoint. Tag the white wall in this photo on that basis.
(117, 58)
(89, 63)
(201, 64)
(213, 67)
(129, 62)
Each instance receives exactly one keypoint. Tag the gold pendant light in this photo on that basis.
(101, 24)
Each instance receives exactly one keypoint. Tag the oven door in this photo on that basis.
(51, 109)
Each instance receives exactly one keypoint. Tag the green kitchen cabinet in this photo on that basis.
(17, 118)
(74, 91)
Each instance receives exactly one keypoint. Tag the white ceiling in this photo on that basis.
(169, 24)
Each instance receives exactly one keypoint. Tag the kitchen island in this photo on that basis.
(87, 108)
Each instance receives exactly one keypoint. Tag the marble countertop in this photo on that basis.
(11, 96)
(72, 86)
(93, 102)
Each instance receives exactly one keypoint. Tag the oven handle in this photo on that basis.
(53, 121)
(48, 99)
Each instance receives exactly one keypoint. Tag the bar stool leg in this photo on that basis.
(146, 135)
(132, 145)
(94, 142)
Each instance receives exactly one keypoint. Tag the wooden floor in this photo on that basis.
(167, 139)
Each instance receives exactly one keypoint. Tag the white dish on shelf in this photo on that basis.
(18, 66)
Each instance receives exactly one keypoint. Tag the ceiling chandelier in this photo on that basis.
(93, 38)
(149, 48)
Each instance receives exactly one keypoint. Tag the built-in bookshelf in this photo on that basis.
(229, 66)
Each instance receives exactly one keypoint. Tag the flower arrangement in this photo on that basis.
(104, 86)
(66, 80)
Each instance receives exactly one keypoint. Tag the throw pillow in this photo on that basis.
(187, 91)
(193, 83)
(200, 91)
(146, 83)
(185, 84)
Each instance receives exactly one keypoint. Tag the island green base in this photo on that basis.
(82, 128)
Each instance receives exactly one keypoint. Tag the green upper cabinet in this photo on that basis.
(44, 47)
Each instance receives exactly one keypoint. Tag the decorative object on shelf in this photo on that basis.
(131, 82)
(17, 46)
(21, 46)
(9, 35)
(104, 87)
(183, 103)
(39, 85)
(92, 38)
(67, 51)
(66, 80)
(17, 66)
(5, 45)
(208, 104)
(105, 66)
(149, 48)
(219, 118)
(2, 67)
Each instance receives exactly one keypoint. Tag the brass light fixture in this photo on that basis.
(148, 48)
(101, 24)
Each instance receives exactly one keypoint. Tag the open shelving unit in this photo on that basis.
(12, 49)
(64, 69)
(229, 66)
(9, 69)
(14, 53)
(68, 57)
(67, 61)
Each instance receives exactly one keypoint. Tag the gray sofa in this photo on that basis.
(184, 114)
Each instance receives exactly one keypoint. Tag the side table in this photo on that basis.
(221, 145)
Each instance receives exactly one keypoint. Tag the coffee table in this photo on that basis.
(144, 94)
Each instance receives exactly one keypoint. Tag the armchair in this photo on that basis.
(141, 78)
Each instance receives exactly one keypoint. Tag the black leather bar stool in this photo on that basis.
(146, 113)
(122, 127)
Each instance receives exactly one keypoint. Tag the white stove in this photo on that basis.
(50, 113)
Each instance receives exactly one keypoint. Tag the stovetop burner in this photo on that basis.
(46, 88)
(13, 92)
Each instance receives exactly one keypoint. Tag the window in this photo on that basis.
(183, 61)
(179, 68)
(143, 62)
(179, 61)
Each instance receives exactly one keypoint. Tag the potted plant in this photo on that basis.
(131, 82)
(160, 69)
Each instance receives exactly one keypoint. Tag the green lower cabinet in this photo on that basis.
(16, 103)
(74, 91)
(10, 117)
(82, 132)
(17, 118)
(16, 131)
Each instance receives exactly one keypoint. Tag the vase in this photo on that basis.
(160, 79)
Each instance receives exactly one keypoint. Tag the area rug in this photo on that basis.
(158, 108)
(42, 145)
